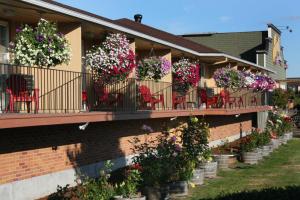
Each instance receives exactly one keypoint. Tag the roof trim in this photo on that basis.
(98, 20)
(67, 10)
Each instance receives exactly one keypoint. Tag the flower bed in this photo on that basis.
(40, 46)
(113, 60)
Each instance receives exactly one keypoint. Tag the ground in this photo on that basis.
(277, 177)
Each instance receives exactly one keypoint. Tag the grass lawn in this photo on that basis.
(267, 180)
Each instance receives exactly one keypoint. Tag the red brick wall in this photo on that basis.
(34, 151)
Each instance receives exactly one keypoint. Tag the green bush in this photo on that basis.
(280, 98)
(98, 189)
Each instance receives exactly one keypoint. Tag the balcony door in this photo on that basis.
(3, 41)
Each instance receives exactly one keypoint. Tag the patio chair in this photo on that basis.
(227, 99)
(18, 91)
(153, 99)
(178, 99)
(107, 98)
(253, 101)
(209, 101)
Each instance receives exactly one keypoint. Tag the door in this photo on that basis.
(3, 42)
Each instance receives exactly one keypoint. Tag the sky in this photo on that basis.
(192, 16)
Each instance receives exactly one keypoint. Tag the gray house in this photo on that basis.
(260, 47)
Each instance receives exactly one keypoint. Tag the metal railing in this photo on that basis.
(44, 90)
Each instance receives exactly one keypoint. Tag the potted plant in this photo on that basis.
(157, 165)
(185, 74)
(111, 61)
(208, 164)
(229, 78)
(250, 153)
(99, 188)
(287, 126)
(42, 46)
(224, 156)
(153, 68)
(128, 189)
(264, 140)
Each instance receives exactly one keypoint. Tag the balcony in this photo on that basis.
(31, 96)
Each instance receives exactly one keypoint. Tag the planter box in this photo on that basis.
(225, 161)
(266, 150)
(275, 143)
(198, 177)
(288, 136)
(156, 193)
(250, 157)
(178, 189)
(259, 152)
(210, 169)
(133, 198)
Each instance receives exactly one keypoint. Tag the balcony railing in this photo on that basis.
(42, 90)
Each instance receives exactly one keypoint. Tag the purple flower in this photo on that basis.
(173, 138)
(39, 38)
(178, 148)
(18, 30)
(147, 128)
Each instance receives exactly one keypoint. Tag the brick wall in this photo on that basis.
(34, 151)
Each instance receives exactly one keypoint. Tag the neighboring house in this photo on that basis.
(260, 47)
(42, 147)
(292, 83)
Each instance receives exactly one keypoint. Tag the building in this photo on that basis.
(260, 47)
(41, 145)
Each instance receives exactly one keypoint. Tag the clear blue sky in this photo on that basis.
(189, 16)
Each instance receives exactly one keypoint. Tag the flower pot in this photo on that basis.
(282, 140)
(198, 177)
(178, 188)
(250, 157)
(259, 152)
(266, 150)
(275, 143)
(210, 169)
(156, 193)
(223, 160)
(132, 198)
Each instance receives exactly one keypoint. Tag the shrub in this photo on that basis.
(129, 187)
(98, 189)
(280, 98)
(250, 142)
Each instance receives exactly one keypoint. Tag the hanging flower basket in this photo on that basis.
(41, 46)
(153, 68)
(259, 82)
(229, 78)
(185, 74)
(113, 60)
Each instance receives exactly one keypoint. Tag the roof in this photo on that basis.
(214, 33)
(165, 36)
(139, 30)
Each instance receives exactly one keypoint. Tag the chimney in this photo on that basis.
(138, 18)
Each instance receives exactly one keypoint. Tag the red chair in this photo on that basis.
(254, 100)
(18, 90)
(108, 98)
(209, 101)
(227, 99)
(178, 100)
(240, 101)
(152, 99)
